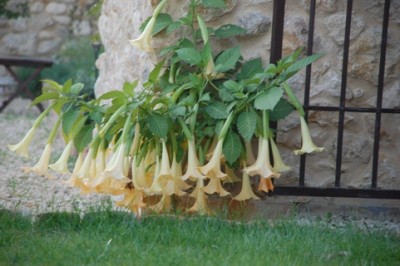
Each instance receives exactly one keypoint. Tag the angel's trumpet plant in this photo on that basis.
(246, 191)
(307, 144)
(262, 166)
(265, 185)
(192, 170)
(61, 165)
(213, 167)
(22, 147)
(215, 186)
(42, 166)
(143, 42)
(74, 181)
(279, 165)
(200, 204)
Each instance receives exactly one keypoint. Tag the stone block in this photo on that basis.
(255, 23)
(56, 8)
(47, 46)
(335, 25)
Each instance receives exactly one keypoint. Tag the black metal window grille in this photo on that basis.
(276, 52)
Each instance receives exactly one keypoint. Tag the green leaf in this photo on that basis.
(229, 30)
(46, 96)
(213, 3)
(69, 119)
(232, 85)
(226, 94)
(129, 88)
(77, 88)
(217, 110)
(84, 137)
(173, 26)
(112, 95)
(228, 59)
(53, 85)
(246, 124)
(294, 68)
(282, 109)
(158, 125)
(267, 100)
(232, 147)
(177, 111)
(250, 68)
(96, 116)
(154, 74)
(162, 22)
(189, 55)
(67, 86)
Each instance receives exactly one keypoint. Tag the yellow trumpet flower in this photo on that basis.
(74, 180)
(265, 185)
(200, 204)
(307, 145)
(192, 170)
(22, 147)
(279, 165)
(213, 167)
(246, 192)
(215, 186)
(61, 165)
(143, 42)
(262, 166)
(42, 166)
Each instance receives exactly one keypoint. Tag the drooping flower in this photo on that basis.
(22, 147)
(307, 145)
(200, 204)
(61, 165)
(192, 170)
(213, 167)
(249, 153)
(133, 200)
(246, 192)
(279, 165)
(262, 166)
(265, 185)
(143, 42)
(42, 166)
(74, 180)
(215, 186)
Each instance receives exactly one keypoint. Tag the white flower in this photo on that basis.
(42, 166)
(246, 192)
(61, 165)
(262, 166)
(143, 42)
(279, 165)
(213, 167)
(22, 147)
(192, 170)
(307, 145)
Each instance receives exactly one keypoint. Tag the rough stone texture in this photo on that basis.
(255, 23)
(47, 24)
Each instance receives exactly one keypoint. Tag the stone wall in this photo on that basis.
(120, 21)
(48, 26)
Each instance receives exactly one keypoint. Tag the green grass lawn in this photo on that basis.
(116, 238)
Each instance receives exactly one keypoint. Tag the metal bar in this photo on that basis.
(307, 85)
(381, 81)
(342, 104)
(352, 109)
(337, 192)
(277, 30)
